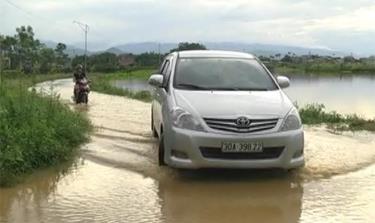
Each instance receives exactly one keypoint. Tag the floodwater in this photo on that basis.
(345, 94)
(132, 85)
(116, 179)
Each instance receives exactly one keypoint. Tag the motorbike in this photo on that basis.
(81, 91)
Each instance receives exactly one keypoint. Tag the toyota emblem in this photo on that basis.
(243, 122)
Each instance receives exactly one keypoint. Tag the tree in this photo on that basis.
(79, 59)
(47, 57)
(287, 59)
(148, 59)
(189, 46)
(7, 45)
(61, 58)
(23, 52)
(104, 62)
(349, 59)
(26, 47)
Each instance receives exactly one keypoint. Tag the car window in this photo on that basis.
(222, 74)
(162, 66)
(164, 71)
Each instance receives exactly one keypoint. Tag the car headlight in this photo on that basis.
(184, 120)
(292, 121)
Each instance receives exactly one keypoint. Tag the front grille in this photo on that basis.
(229, 125)
(216, 153)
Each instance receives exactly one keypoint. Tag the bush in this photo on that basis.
(313, 114)
(35, 132)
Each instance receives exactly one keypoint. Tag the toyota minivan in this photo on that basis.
(220, 109)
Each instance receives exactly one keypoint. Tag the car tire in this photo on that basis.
(154, 132)
(161, 152)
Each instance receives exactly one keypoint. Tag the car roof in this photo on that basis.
(214, 53)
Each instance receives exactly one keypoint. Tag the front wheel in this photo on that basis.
(154, 132)
(161, 160)
(85, 98)
(82, 98)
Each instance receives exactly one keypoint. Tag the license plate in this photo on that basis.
(238, 147)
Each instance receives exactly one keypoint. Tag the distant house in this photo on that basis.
(126, 60)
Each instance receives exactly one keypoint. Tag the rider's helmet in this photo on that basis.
(79, 67)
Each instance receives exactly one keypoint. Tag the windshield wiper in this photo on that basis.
(237, 89)
(252, 89)
(193, 86)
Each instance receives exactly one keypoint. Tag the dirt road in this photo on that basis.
(116, 179)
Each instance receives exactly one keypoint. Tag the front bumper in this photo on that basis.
(189, 143)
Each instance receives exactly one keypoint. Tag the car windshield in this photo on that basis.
(222, 74)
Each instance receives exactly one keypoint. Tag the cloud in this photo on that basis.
(292, 22)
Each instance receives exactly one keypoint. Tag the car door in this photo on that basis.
(161, 94)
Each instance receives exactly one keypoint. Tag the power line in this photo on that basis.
(19, 8)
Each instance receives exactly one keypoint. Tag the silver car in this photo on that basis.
(220, 109)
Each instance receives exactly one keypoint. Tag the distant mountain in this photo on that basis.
(270, 49)
(255, 48)
(138, 48)
(71, 50)
(114, 50)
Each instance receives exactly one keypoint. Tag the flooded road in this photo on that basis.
(116, 179)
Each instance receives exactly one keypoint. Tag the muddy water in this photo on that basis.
(116, 179)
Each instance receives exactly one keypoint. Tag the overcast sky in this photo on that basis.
(347, 25)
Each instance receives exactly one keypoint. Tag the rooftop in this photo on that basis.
(214, 53)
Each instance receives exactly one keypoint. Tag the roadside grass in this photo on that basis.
(102, 83)
(315, 114)
(35, 131)
(323, 68)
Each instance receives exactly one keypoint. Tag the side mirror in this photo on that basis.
(156, 80)
(283, 81)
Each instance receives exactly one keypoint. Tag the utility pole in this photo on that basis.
(159, 53)
(1, 66)
(85, 28)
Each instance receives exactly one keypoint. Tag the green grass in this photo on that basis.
(314, 114)
(35, 131)
(323, 68)
(102, 83)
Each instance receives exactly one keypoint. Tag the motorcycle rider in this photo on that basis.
(78, 75)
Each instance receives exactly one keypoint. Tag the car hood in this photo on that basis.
(229, 104)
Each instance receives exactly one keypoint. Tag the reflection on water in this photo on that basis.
(95, 192)
(231, 196)
(117, 179)
(132, 84)
(22, 202)
(107, 194)
(90, 193)
(345, 94)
